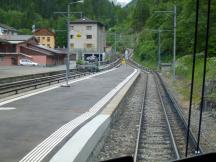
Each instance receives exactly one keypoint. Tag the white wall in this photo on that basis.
(98, 37)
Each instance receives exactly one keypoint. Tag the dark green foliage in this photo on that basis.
(22, 14)
(140, 15)
(185, 27)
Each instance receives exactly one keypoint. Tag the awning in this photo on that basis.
(16, 54)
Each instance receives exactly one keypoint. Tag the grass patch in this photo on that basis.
(146, 63)
(184, 70)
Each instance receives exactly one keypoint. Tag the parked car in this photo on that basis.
(26, 62)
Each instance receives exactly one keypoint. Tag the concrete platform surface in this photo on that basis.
(38, 116)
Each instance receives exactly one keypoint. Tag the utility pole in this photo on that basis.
(159, 51)
(174, 43)
(68, 46)
(159, 43)
(68, 40)
(115, 42)
(174, 37)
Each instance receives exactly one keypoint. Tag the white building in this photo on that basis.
(7, 30)
(87, 38)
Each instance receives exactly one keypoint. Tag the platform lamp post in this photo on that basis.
(68, 41)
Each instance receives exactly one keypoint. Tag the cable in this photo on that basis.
(204, 71)
(193, 71)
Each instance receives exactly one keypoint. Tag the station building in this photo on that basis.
(16, 47)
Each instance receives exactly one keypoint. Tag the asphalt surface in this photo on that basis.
(38, 116)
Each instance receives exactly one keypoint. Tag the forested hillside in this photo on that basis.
(137, 18)
(143, 19)
(22, 14)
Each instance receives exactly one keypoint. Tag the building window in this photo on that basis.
(88, 36)
(48, 45)
(71, 36)
(48, 39)
(72, 45)
(88, 27)
(43, 37)
(89, 45)
(72, 27)
(38, 39)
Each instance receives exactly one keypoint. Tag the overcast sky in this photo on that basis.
(123, 2)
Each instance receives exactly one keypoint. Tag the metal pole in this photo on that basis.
(68, 47)
(174, 44)
(115, 43)
(159, 51)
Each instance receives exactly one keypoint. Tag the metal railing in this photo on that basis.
(31, 84)
(37, 82)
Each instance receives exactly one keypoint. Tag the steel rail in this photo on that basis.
(167, 120)
(165, 113)
(174, 103)
(39, 82)
(10, 85)
(179, 112)
(140, 120)
(34, 83)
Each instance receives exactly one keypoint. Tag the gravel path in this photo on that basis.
(122, 138)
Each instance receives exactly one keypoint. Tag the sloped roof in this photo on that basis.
(44, 32)
(3, 40)
(50, 49)
(85, 20)
(7, 27)
(17, 37)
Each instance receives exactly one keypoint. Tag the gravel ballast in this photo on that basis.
(121, 139)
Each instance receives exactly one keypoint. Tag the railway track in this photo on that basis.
(155, 141)
(13, 88)
(162, 129)
(178, 125)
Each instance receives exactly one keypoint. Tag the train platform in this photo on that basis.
(35, 124)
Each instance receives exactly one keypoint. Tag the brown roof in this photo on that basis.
(3, 40)
(44, 32)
